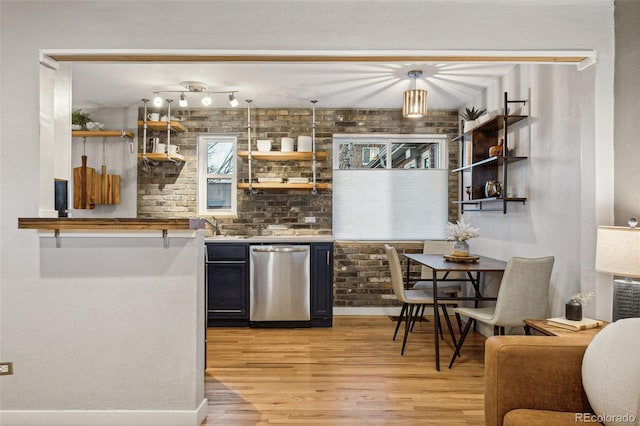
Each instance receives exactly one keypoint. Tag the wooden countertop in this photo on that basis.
(116, 224)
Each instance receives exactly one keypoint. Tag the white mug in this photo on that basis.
(154, 143)
(164, 118)
(173, 149)
(161, 148)
(153, 116)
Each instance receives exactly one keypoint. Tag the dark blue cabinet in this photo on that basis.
(321, 284)
(227, 284)
(227, 287)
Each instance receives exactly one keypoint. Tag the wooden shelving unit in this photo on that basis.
(162, 125)
(101, 134)
(282, 156)
(313, 157)
(483, 168)
(163, 157)
(307, 186)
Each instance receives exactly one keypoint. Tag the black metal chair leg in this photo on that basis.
(463, 336)
(415, 317)
(459, 321)
(402, 311)
(407, 326)
(448, 320)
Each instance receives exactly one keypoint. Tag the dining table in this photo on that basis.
(440, 264)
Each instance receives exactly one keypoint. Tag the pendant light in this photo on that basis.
(414, 101)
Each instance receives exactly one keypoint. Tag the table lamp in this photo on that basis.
(618, 253)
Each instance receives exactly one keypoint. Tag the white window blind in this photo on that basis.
(389, 204)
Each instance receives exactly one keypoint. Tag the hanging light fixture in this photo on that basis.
(414, 101)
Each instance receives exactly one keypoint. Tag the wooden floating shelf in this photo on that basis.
(109, 224)
(161, 157)
(307, 186)
(481, 200)
(162, 125)
(498, 159)
(283, 156)
(101, 134)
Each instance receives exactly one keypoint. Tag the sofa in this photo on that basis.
(542, 380)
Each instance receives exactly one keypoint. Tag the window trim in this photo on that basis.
(203, 140)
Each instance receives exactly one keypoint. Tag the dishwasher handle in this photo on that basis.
(281, 249)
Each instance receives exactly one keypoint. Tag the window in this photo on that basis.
(405, 151)
(390, 187)
(217, 175)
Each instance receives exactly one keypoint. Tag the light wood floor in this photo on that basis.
(349, 374)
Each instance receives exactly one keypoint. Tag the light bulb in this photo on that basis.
(183, 101)
(233, 101)
(157, 101)
(206, 101)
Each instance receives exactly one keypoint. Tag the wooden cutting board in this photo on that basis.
(83, 186)
(106, 188)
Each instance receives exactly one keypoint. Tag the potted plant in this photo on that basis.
(79, 119)
(470, 116)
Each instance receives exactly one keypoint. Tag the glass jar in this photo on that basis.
(461, 249)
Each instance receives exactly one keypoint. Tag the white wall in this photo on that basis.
(627, 125)
(26, 27)
(557, 138)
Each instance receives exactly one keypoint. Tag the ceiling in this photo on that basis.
(284, 84)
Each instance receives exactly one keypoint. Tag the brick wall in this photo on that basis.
(361, 270)
(362, 275)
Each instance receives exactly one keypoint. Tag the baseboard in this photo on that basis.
(104, 417)
(371, 310)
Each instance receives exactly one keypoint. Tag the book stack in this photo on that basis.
(583, 324)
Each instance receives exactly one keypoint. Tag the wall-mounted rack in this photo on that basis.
(312, 156)
(482, 168)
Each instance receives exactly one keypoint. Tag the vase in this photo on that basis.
(461, 249)
(573, 310)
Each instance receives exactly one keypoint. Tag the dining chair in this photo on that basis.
(411, 299)
(522, 294)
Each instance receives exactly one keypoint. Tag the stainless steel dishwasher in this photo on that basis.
(279, 286)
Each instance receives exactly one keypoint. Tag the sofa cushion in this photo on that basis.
(611, 373)
(526, 417)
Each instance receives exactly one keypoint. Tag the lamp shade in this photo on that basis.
(414, 103)
(618, 251)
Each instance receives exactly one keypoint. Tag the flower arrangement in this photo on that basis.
(582, 298)
(461, 231)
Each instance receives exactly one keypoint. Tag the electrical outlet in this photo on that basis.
(310, 219)
(6, 368)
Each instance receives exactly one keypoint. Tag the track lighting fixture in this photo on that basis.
(194, 87)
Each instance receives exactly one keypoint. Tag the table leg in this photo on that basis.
(436, 319)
